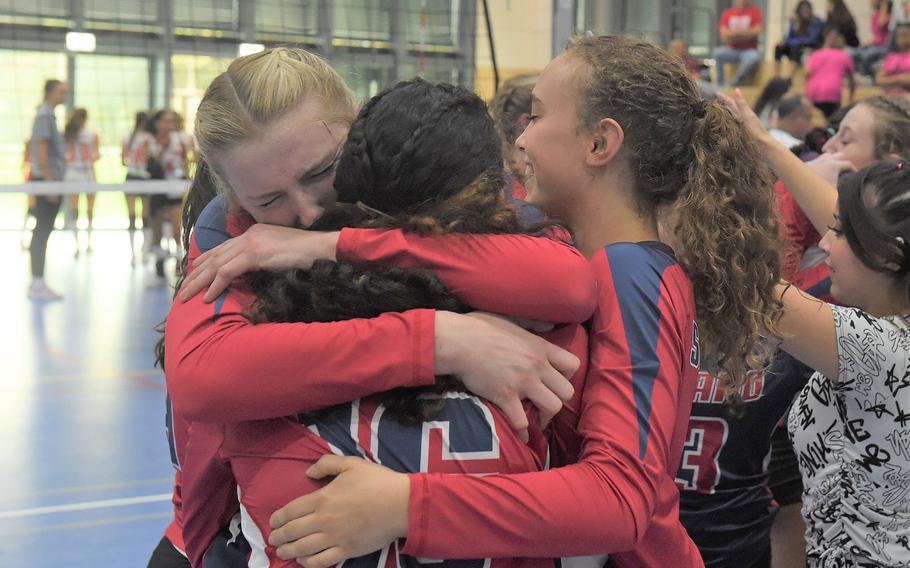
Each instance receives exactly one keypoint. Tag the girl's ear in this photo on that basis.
(605, 142)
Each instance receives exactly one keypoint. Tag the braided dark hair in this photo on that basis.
(892, 125)
(426, 156)
(417, 143)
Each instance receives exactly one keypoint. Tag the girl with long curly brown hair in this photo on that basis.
(619, 137)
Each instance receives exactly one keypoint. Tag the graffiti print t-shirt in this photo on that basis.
(852, 438)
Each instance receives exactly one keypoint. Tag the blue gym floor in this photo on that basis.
(84, 466)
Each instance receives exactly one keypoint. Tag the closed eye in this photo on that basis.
(272, 200)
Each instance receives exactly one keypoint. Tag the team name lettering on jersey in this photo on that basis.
(711, 390)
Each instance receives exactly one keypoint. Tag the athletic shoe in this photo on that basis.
(40, 292)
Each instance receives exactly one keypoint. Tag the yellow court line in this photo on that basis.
(98, 374)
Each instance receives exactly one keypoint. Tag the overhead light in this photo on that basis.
(79, 41)
(249, 49)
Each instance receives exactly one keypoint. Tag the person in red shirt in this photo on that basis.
(740, 29)
(280, 172)
(604, 164)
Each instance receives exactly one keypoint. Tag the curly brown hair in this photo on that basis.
(694, 158)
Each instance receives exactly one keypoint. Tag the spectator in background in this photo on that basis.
(894, 75)
(828, 68)
(511, 110)
(134, 155)
(805, 32)
(868, 55)
(840, 19)
(740, 28)
(694, 66)
(794, 121)
(47, 160)
(82, 151)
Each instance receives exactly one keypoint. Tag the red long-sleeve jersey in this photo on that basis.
(620, 497)
(800, 236)
(220, 368)
(269, 458)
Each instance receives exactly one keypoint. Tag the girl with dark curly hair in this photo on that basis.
(270, 132)
(391, 168)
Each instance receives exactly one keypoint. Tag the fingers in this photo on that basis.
(296, 509)
(564, 362)
(194, 283)
(223, 278)
(306, 546)
(329, 465)
(545, 400)
(728, 102)
(515, 414)
(324, 559)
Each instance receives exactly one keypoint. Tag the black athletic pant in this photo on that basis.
(166, 556)
(45, 211)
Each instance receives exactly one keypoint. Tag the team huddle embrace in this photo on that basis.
(412, 333)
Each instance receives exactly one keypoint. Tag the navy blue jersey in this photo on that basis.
(725, 503)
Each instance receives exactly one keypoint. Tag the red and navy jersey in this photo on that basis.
(269, 458)
(221, 368)
(725, 503)
(631, 423)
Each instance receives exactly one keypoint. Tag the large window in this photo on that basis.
(192, 75)
(20, 95)
(132, 11)
(362, 19)
(434, 23)
(46, 8)
(288, 17)
(154, 53)
(213, 14)
(112, 89)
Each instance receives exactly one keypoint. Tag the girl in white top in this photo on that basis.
(134, 155)
(167, 159)
(82, 151)
(851, 424)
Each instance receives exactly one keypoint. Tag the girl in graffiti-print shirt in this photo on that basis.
(851, 423)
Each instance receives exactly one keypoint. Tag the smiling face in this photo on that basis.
(852, 282)
(285, 174)
(554, 141)
(855, 137)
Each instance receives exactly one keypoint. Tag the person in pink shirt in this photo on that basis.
(875, 50)
(740, 27)
(828, 67)
(894, 75)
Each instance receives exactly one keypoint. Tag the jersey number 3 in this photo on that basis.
(699, 470)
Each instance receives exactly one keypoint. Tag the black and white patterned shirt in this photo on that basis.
(852, 439)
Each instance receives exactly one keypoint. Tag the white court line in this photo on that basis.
(85, 506)
(85, 524)
(174, 188)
